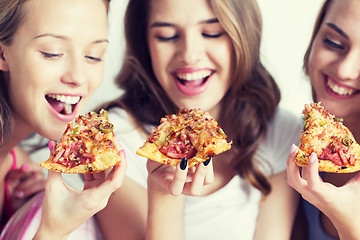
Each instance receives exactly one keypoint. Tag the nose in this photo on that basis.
(348, 67)
(75, 72)
(191, 49)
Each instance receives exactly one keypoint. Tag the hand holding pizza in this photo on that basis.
(335, 202)
(180, 179)
(65, 209)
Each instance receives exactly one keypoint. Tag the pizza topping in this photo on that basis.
(178, 146)
(75, 146)
(347, 141)
(337, 153)
(106, 127)
(338, 119)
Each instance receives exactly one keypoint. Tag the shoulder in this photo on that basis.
(283, 130)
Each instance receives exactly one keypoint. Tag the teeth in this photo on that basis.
(194, 75)
(65, 99)
(68, 108)
(338, 89)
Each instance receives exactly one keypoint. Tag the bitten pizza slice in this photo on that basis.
(88, 145)
(191, 133)
(330, 139)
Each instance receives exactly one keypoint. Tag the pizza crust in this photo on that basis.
(102, 162)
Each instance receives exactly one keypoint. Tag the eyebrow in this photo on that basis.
(65, 38)
(166, 24)
(338, 30)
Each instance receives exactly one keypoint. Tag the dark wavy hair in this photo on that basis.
(246, 107)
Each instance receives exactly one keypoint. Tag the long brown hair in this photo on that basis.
(245, 109)
(11, 16)
(319, 20)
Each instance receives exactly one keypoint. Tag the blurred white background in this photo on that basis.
(287, 28)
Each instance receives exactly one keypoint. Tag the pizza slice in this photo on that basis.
(330, 139)
(88, 145)
(191, 134)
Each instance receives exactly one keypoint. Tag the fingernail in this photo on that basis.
(123, 154)
(207, 162)
(183, 163)
(51, 145)
(24, 167)
(293, 149)
(312, 157)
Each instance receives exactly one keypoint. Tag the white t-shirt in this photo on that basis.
(231, 212)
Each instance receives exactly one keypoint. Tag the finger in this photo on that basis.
(209, 177)
(114, 181)
(29, 188)
(54, 181)
(196, 186)
(312, 172)
(99, 175)
(177, 184)
(293, 173)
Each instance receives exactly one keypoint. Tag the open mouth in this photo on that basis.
(340, 90)
(193, 79)
(63, 104)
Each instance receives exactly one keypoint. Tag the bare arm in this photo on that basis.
(277, 211)
(125, 215)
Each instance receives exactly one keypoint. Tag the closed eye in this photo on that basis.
(332, 44)
(165, 39)
(94, 59)
(212, 35)
(51, 55)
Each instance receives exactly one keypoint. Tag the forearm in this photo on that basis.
(44, 233)
(165, 214)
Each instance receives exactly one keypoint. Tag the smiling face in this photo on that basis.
(334, 61)
(55, 62)
(190, 51)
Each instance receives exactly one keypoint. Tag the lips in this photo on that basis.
(62, 104)
(339, 90)
(192, 82)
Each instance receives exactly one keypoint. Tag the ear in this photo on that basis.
(3, 62)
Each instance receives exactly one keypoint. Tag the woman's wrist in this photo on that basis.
(44, 233)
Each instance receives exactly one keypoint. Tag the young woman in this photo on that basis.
(331, 62)
(51, 61)
(201, 54)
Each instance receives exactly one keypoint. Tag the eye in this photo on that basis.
(207, 35)
(51, 55)
(166, 39)
(332, 44)
(94, 59)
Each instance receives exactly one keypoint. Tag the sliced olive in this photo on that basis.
(106, 127)
(75, 130)
(306, 126)
(338, 119)
(221, 132)
(104, 113)
(347, 141)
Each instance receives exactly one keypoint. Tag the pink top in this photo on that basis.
(8, 209)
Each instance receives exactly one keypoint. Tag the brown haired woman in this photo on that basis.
(332, 64)
(201, 54)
